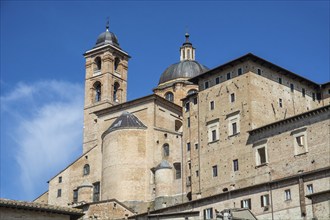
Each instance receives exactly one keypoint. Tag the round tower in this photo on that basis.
(163, 179)
(124, 167)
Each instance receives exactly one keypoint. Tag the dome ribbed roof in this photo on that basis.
(107, 37)
(125, 121)
(183, 69)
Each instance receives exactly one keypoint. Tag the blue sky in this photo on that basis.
(42, 67)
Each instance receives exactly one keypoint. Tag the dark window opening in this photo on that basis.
(313, 95)
(188, 122)
(280, 80)
(232, 97)
(262, 155)
(303, 91)
(214, 135)
(264, 199)
(86, 169)
(169, 96)
(208, 213)
(235, 165)
(59, 193)
(166, 150)
(117, 61)
(192, 91)
(97, 63)
(115, 91)
(187, 106)
(188, 146)
(195, 101)
(96, 192)
(59, 179)
(75, 196)
(217, 80)
(215, 171)
(234, 127)
(239, 71)
(206, 84)
(280, 103)
(212, 105)
(228, 76)
(291, 87)
(97, 89)
(177, 167)
(246, 203)
(259, 71)
(196, 146)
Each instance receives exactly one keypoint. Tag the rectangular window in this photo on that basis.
(177, 167)
(166, 150)
(208, 213)
(232, 97)
(195, 101)
(310, 189)
(188, 146)
(287, 195)
(189, 165)
(217, 80)
(187, 106)
(239, 71)
(235, 165)
(280, 104)
(291, 87)
(228, 76)
(188, 122)
(189, 181)
(264, 199)
(280, 80)
(75, 196)
(300, 140)
(196, 146)
(303, 91)
(246, 203)
(214, 135)
(59, 193)
(206, 84)
(318, 96)
(259, 71)
(59, 179)
(215, 171)
(313, 95)
(234, 128)
(197, 173)
(261, 155)
(212, 105)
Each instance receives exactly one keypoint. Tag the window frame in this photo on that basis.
(287, 195)
(246, 203)
(166, 150)
(86, 170)
(215, 171)
(235, 165)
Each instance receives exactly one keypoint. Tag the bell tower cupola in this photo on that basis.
(105, 81)
(187, 51)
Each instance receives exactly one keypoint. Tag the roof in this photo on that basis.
(254, 58)
(183, 69)
(164, 164)
(125, 121)
(290, 119)
(33, 206)
(107, 37)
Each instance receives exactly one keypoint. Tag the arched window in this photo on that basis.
(86, 169)
(116, 63)
(169, 96)
(115, 91)
(97, 63)
(97, 89)
(166, 150)
(192, 91)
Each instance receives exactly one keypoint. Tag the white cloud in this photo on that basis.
(46, 127)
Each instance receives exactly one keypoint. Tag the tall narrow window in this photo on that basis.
(214, 135)
(291, 87)
(217, 80)
(261, 156)
(96, 192)
(75, 196)
(188, 122)
(211, 105)
(188, 146)
(177, 167)
(208, 213)
(228, 76)
(280, 80)
(169, 96)
(215, 171)
(59, 179)
(188, 54)
(59, 193)
(234, 128)
(259, 71)
(246, 203)
(97, 64)
(187, 106)
(303, 91)
(232, 97)
(196, 146)
(117, 61)
(264, 199)
(287, 194)
(313, 95)
(189, 181)
(206, 84)
(195, 101)
(280, 104)
(166, 150)
(115, 91)
(235, 165)
(310, 189)
(189, 165)
(239, 71)
(86, 169)
(97, 89)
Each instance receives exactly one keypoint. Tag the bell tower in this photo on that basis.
(105, 81)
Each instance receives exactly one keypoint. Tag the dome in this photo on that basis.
(107, 37)
(125, 121)
(183, 69)
(164, 164)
